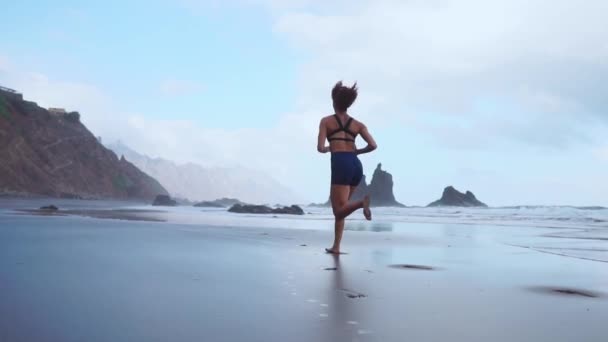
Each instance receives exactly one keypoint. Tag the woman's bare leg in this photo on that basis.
(366, 210)
(340, 194)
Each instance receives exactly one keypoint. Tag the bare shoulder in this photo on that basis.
(325, 119)
(359, 125)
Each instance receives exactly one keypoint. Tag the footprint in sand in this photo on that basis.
(353, 294)
(413, 267)
(566, 291)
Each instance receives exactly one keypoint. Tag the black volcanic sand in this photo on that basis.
(70, 278)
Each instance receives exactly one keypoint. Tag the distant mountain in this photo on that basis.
(199, 183)
(51, 153)
(380, 190)
(454, 198)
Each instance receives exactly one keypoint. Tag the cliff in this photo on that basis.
(380, 190)
(54, 154)
(454, 198)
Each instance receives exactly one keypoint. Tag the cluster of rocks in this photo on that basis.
(236, 206)
(380, 191)
(219, 203)
(262, 209)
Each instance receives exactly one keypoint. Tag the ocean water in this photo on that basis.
(385, 219)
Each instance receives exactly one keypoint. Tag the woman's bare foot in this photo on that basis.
(333, 251)
(366, 210)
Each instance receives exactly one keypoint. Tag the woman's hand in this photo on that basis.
(323, 149)
(371, 143)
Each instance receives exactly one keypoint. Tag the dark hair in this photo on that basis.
(343, 96)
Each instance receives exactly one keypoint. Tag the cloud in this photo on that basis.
(548, 59)
(428, 64)
(177, 87)
(602, 153)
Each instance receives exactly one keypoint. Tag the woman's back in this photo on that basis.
(341, 130)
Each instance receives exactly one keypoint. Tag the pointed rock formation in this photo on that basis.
(381, 189)
(454, 198)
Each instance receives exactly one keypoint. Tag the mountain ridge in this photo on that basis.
(199, 183)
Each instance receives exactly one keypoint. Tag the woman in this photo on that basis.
(340, 130)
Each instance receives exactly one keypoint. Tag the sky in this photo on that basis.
(503, 98)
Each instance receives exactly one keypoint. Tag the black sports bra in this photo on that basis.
(342, 128)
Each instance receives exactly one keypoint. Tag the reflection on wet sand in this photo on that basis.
(117, 214)
(373, 227)
(343, 318)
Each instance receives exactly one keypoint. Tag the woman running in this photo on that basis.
(340, 130)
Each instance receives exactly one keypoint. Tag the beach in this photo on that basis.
(196, 275)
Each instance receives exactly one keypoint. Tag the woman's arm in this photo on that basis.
(371, 143)
(321, 139)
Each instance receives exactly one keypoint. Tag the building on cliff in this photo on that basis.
(57, 111)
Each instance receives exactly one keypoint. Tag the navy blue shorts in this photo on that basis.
(346, 169)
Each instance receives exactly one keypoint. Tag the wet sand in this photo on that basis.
(72, 278)
(148, 215)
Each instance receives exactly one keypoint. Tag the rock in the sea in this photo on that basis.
(49, 208)
(454, 198)
(262, 209)
(292, 210)
(250, 209)
(219, 203)
(208, 204)
(380, 189)
(164, 200)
